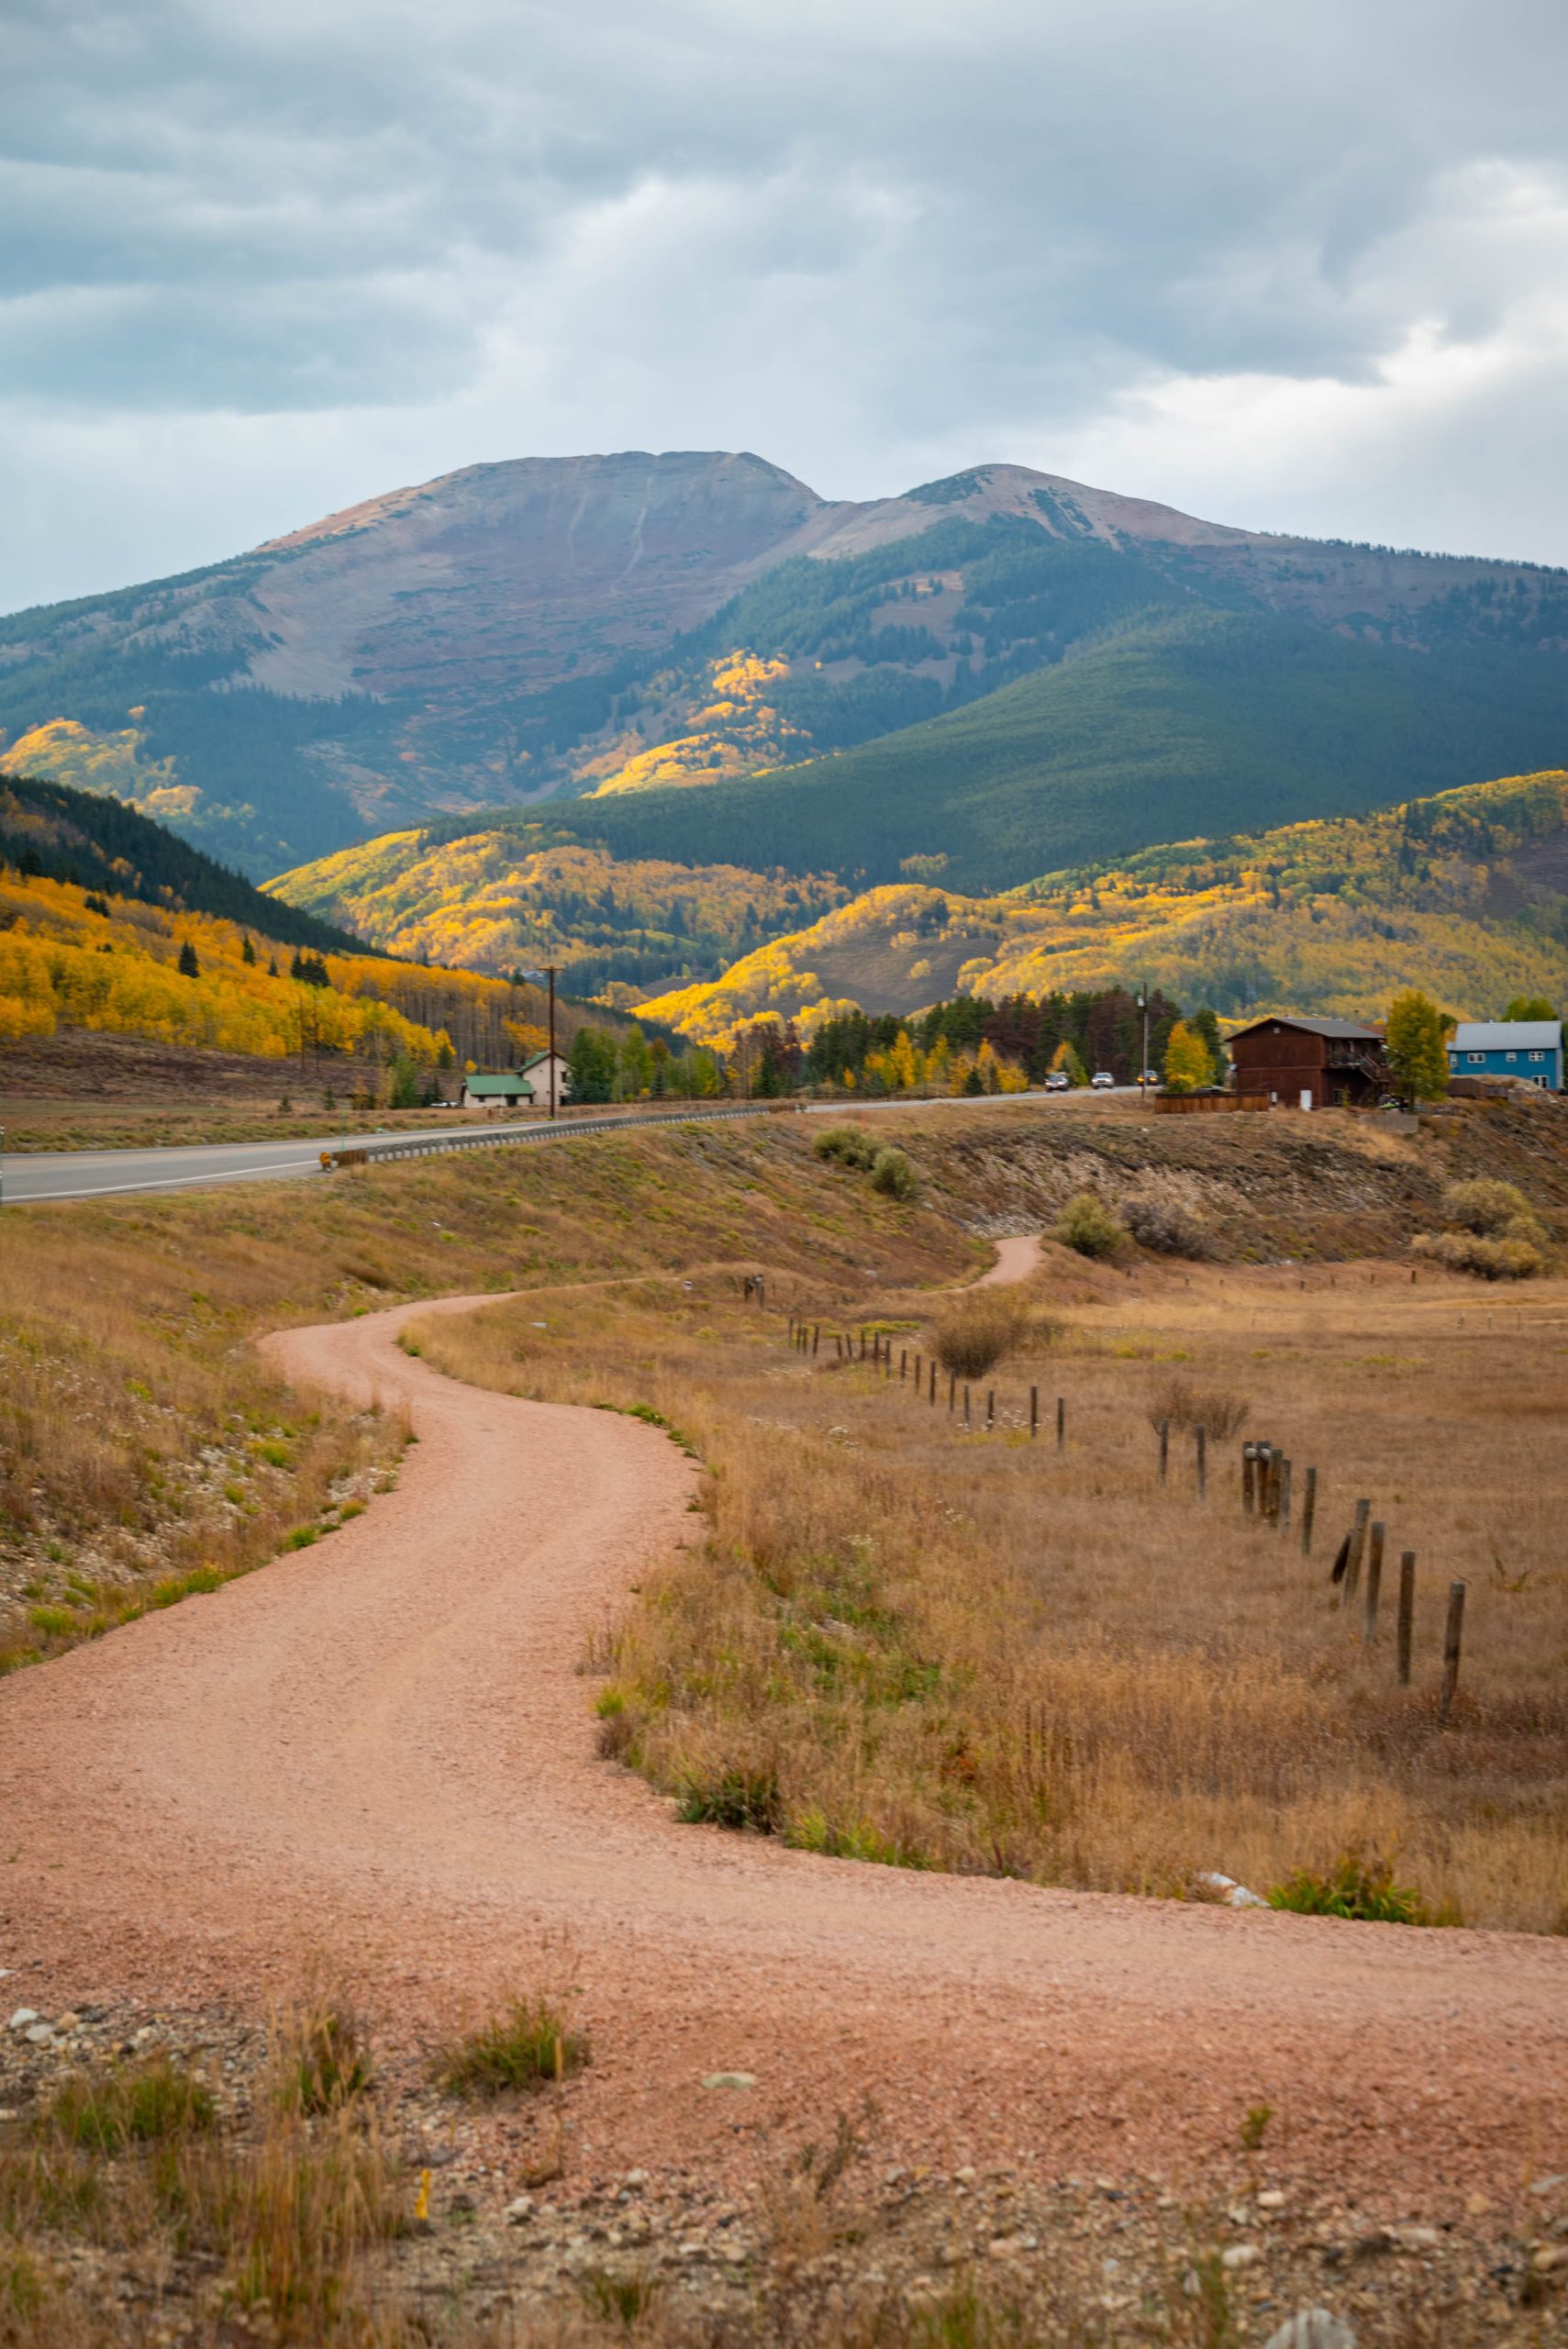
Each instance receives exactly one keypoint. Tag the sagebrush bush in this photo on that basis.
(1509, 1258)
(979, 1329)
(1218, 1410)
(1164, 1227)
(894, 1174)
(848, 1145)
(1490, 1209)
(1091, 1227)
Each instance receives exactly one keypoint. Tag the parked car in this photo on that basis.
(1103, 1081)
(1058, 1081)
(1153, 1076)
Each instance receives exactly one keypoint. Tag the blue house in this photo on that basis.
(1528, 1050)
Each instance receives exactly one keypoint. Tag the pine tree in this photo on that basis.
(248, 952)
(189, 966)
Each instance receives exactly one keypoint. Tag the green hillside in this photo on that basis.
(97, 842)
(1204, 722)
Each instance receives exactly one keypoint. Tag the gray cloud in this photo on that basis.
(252, 264)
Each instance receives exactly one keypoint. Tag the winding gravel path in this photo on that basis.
(383, 1749)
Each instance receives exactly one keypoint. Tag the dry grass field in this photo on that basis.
(910, 1642)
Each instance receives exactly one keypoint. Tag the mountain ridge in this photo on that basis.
(524, 632)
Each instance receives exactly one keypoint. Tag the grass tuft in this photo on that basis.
(526, 2046)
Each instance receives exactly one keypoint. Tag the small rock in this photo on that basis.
(23, 2016)
(635, 2179)
(730, 2080)
(1550, 2185)
(39, 2034)
(1229, 1893)
(1005, 2246)
(520, 2209)
(1312, 2329)
(1271, 2199)
(1418, 2239)
(1240, 2255)
(1549, 2258)
(67, 2022)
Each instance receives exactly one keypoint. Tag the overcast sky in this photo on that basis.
(1303, 269)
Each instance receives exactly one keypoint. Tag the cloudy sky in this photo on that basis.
(1304, 269)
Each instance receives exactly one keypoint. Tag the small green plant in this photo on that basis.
(1254, 2127)
(527, 2046)
(1356, 1887)
(1091, 1227)
(145, 2104)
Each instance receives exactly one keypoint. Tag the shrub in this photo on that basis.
(1361, 1888)
(894, 1174)
(529, 2045)
(979, 1329)
(848, 1144)
(1164, 1227)
(1511, 1259)
(1495, 1210)
(1177, 1401)
(328, 2064)
(1091, 1227)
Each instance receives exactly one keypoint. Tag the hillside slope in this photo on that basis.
(529, 629)
(1199, 722)
(1464, 893)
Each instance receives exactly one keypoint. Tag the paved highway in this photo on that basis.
(101, 1174)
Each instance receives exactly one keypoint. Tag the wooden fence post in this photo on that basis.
(1358, 1546)
(1034, 1413)
(1164, 1448)
(1407, 1615)
(1282, 1511)
(815, 1334)
(1249, 1478)
(934, 1386)
(1373, 1585)
(990, 1408)
(1309, 1510)
(966, 1402)
(953, 1391)
(902, 1364)
(1062, 1424)
(1200, 1440)
(1452, 1634)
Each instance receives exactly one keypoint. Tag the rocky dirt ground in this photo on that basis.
(821, 2239)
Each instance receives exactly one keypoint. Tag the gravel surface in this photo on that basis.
(381, 1752)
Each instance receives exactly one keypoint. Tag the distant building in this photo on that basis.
(1311, 1063)
(537, 1070)
(1528, 1050)
(509, 1091)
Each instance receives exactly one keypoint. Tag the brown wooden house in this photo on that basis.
(1311, 1063)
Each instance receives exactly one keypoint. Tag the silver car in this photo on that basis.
(1103, 1081)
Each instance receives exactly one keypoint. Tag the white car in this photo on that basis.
(1103, 1081)
(1058, 1081)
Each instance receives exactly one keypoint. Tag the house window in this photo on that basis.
(1510, 1056)
(1476, 1060)
(1537, 1056)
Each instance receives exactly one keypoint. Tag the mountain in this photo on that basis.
(634, 625)
(1464, 893)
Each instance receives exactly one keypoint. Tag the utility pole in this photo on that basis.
(551, 970)
(1143, 1064)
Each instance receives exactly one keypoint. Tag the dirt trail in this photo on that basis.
(384, 1748)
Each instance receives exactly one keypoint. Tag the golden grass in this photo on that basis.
(145, 1449)
(905, 1642)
